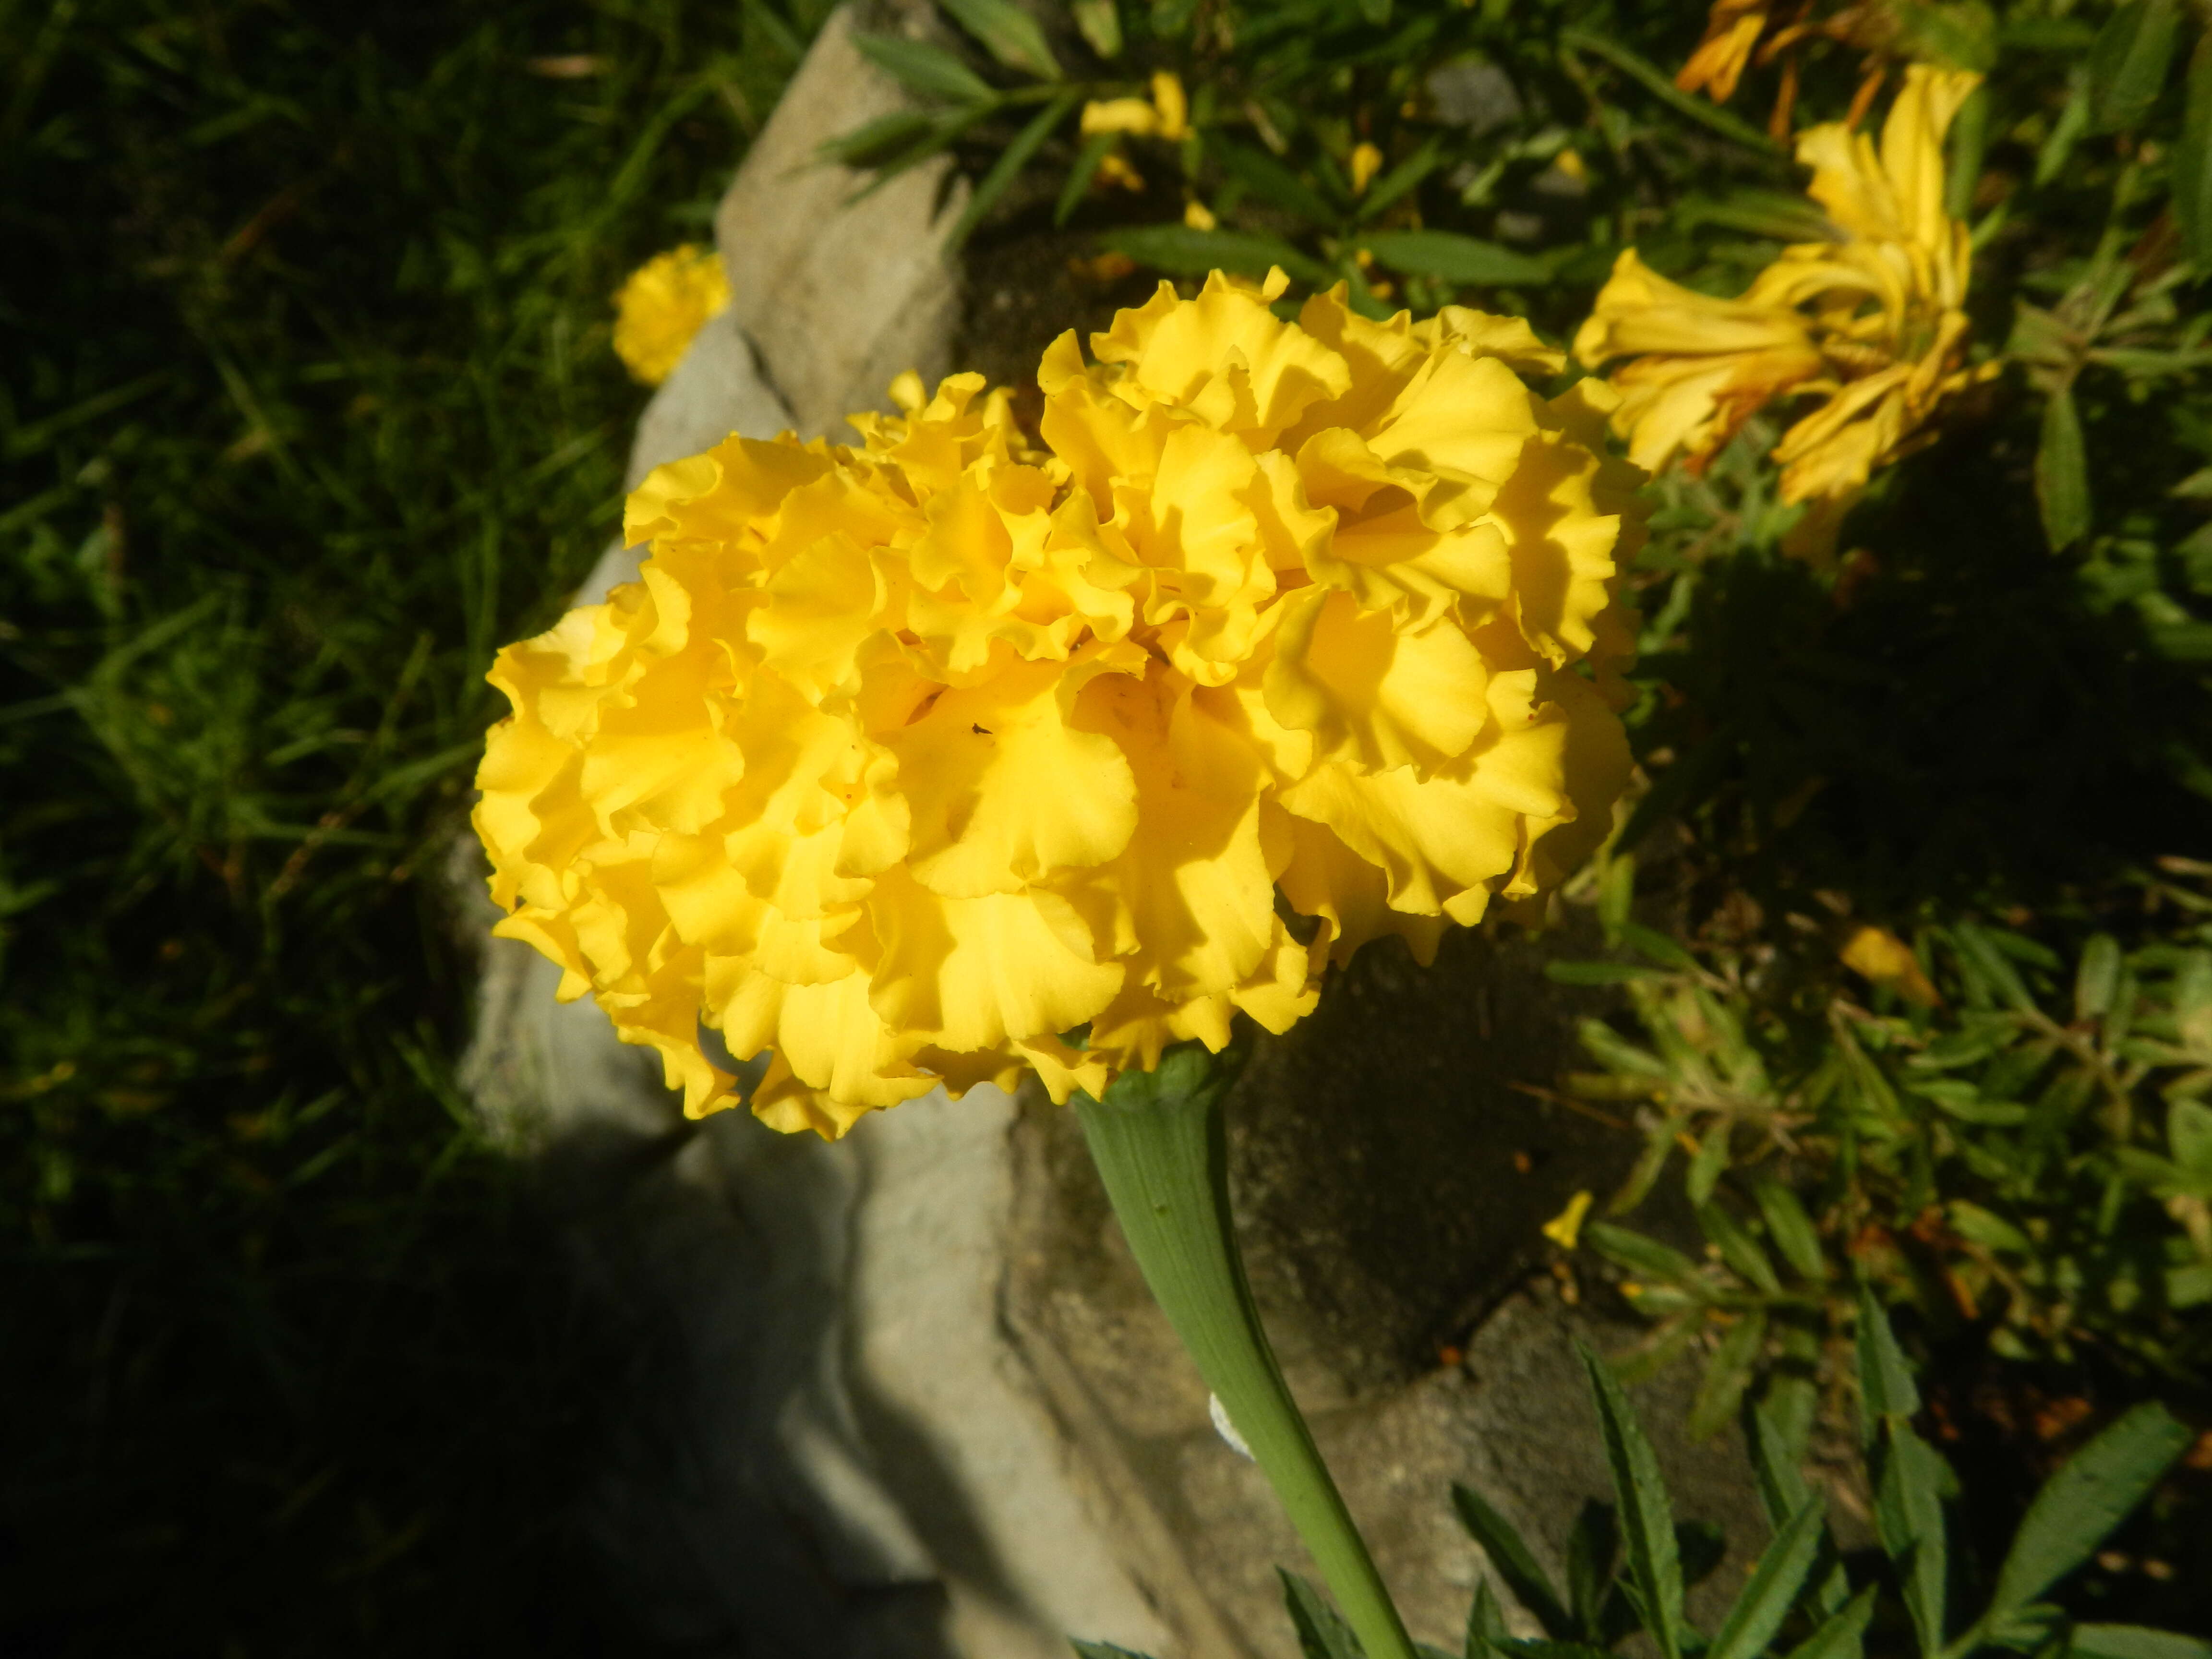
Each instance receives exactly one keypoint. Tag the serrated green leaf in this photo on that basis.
(1969, 140)
(2094, 1492)
(1600, 973)
(2128, 65)
(2096, 977)
(1728, 1374)
(1007, 32)
(1711, 1158)
(1838, 1636)
(1647, 1524)
(1772, 1589)
(1456, 259)
(1738, 1248)
(1486, 1634)
(2134, 1642)
(1885, 1385)
(1188, 252)
(2062, 472)
(2189, 1135)
(1790, 1228)
(1640, 1255)
(1323, 1633)
(1100, 22)
(1593, 1546)
(1008, 167)
(1087, 160)
(2191, 176)
(1908, 1513)
(877, 141)
(1273, 182)
(1513, 1562)
(1661, 86)
(930, 71)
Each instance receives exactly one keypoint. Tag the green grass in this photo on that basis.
(306, 406)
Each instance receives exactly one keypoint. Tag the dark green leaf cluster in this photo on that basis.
(2031, 1155)
(1629, 1562)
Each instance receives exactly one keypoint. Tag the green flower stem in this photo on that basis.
(1157, 1138)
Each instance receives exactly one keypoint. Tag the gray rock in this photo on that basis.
(1474, 93)
(840, 291)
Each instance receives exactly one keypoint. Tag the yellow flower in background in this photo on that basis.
(1166, 115)
(1565, 1229)
(951, 757)
(1366, 162)
(1732, 30)
(1872, 322)
(1198, 215)
(664, 304)
(1880, 958)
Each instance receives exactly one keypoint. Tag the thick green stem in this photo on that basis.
(1156, 1139)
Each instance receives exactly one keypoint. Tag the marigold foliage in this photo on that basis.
(663, 305)
(1872, 322)
(905, 762)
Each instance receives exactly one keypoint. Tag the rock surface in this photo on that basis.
(906, 1394)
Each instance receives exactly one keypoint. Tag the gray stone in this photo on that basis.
(1474, 93)
(840, 291)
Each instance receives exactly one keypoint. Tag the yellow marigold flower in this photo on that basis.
(665, 302)
(1872, 322)
(905, 762)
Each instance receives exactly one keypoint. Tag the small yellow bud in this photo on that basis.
(1565, 1229)
(1366, 162)
(1198, 215)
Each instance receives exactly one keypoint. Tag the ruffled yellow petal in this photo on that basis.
(903, 763)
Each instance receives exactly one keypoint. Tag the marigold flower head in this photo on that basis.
(664, 302)
(953, 755)
(1872, 322)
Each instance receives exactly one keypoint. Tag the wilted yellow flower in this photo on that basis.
(1732, 30)
(910, 762)
(1879, 957)
(665, 302)
(1872, 322)
(1166, 115)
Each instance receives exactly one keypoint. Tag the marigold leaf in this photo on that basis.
(1007, 32)
(2094, 1492)
(2191, 177)
(922, 68)
(2128, 64)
